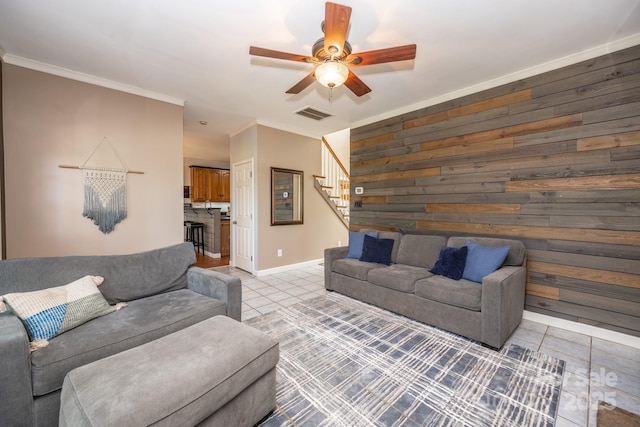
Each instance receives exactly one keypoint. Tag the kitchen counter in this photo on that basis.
(211, 219)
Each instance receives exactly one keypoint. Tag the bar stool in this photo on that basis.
(187, 231)
(195, 233)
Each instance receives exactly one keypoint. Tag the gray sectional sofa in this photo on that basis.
(487, 312)
(164, 294)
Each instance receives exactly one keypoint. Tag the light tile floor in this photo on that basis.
(596, 369)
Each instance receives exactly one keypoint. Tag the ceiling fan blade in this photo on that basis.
(259, 51)
(356, 85)
(302, 84)
(392, 54)
(336, 25)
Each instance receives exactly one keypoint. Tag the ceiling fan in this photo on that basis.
(333, 56)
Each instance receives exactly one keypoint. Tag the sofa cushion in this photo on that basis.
(148, 273)
(483, 260)
(142, 321)
(126, 277)
(354, 268)
(419, 250)
(517, 251)
(400, 277)
(356, 241)
(461, 293)
(451, 262)
(377, 250)
(52, 311)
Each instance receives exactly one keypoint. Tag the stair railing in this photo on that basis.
(334, 181)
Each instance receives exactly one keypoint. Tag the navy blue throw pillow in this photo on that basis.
(377, 250)
(451, 262)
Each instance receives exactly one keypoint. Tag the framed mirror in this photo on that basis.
(286, 196)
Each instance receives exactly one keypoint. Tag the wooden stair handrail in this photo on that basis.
(344, 170)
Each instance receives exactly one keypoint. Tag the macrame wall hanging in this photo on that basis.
(105, 191)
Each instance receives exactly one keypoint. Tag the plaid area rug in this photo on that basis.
(347, 363)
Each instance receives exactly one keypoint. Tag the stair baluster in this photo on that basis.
(333, 184)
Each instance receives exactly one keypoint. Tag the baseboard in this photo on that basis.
(581, 328)
(212, 255)
(284, 268)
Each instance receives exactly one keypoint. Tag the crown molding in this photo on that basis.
(289, 129)
(88, 78)
(242, 128)
(555, 64)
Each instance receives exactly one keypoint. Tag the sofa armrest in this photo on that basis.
(224, 287)
(502, 303)
(15, 373)
(330, 255)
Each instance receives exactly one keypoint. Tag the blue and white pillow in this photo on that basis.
(52, 311)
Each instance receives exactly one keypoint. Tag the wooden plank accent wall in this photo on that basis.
(552, 160)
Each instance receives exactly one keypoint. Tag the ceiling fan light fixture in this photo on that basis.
(332, 73)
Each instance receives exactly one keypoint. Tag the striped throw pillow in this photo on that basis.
(52, 311)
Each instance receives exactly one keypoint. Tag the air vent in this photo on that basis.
(312, 113)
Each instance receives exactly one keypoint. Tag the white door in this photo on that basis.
(242, 216)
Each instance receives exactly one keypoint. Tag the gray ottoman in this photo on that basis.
(218, 372)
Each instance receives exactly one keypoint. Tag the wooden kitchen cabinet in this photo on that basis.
(210, 185)
(225, 185)
(225, 238)
(199, 184)
(215, 185)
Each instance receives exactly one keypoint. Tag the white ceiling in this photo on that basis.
(196, 51)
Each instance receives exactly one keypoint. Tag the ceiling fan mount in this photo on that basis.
(320, 54)
(333, 55)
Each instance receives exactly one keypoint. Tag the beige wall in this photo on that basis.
(244, 145)
(51, 120)
(321, 229)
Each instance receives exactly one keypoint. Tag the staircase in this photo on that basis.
(333, 183)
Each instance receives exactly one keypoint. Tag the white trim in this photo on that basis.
(88, 78)
(212, 254)
(289, 267)
(555, 64)
(290, 129)
(581, 328)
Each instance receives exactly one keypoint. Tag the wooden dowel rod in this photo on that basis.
(78, 167)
